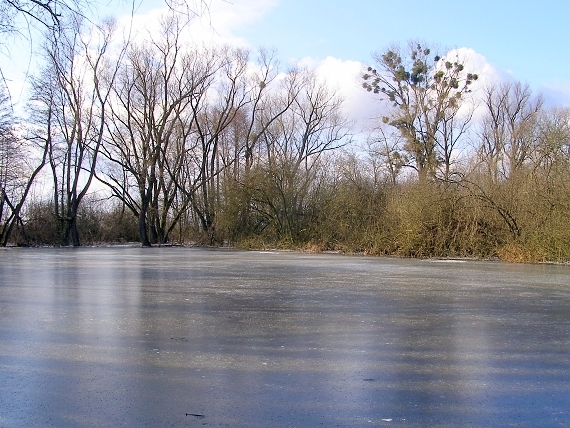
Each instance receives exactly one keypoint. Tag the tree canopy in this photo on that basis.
(426, 91)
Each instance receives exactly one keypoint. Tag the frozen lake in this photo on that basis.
(188, 337)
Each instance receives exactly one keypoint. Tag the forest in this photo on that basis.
(164, 142)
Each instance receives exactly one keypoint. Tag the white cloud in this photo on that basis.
(217, 24)
(344, 76)
(226, 17)
(364, 108)
(556, 94)
(488, 75)
(476, 63)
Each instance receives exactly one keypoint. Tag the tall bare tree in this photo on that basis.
(508, 135)
(426, 93)
(169, 110)
(212, 121)
(294, 145)
(22, 157)
(73, 91)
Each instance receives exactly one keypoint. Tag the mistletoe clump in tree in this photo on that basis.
(426, 93)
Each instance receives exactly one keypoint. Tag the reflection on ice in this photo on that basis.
(173, 336)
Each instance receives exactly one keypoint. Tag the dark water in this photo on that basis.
(187, 338)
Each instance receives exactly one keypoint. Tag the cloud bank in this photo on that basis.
(217, 24)
(223, 20)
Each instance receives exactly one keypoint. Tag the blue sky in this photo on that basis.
(526, 40)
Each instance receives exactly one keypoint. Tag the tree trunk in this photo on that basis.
(74, 233)
(145, 242)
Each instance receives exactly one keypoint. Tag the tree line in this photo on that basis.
(165, 141)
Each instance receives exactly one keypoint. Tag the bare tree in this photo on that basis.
(211, 123)
(21, 160)
(16, 15)
(509, 128)
(553, 150)
(9, 164)
(263, 102)
(72, 92)
(47, 12)
(164, 134)
(550, 161)
(268, 96)
(385, 155)
(294, 145)
(426, 93)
